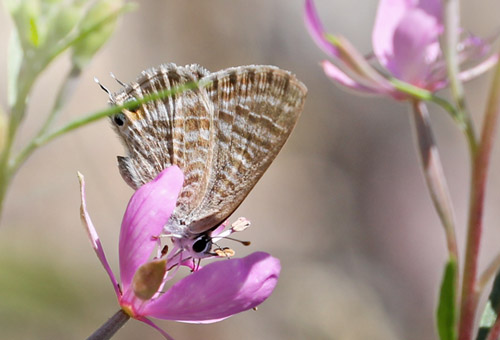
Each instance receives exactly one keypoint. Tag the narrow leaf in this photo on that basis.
(446, 311)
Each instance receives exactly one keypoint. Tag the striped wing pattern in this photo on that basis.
(223, 135)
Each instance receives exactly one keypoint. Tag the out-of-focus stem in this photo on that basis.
(65, 92)
(476, 206)
(16, 115)
(451, 37)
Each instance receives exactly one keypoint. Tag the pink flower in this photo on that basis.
(212, 293)
(406, 45)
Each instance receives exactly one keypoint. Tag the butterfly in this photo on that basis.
(223, 134)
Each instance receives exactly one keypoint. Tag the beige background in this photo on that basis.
(344, 205)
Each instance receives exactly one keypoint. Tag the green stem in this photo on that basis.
(17, 112)
(77, 123)
(65, 92)
(481, 159)
(420, 94)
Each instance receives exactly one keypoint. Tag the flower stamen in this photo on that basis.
(225, 252)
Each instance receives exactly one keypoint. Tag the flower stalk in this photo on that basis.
(476, 206)
(110, 327)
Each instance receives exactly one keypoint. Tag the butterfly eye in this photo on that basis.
(202, 244)
(119, 119)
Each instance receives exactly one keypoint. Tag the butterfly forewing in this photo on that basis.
(175, 130)
(223, 135)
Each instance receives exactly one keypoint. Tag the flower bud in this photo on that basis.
(148, 279)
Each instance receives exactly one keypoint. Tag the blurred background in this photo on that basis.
(344, 205)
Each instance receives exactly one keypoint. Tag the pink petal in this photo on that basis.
(147, 212)
(218, 291)
(431, 7)
(389, 14)
(94, 238)
(416, 48)
(405, 37)
(316, 30)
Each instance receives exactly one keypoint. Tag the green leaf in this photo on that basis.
(446, 311)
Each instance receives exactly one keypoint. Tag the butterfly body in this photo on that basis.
(223, 134)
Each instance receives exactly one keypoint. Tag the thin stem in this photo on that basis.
(451, 37)
(79, 122)
(480, 165)
(110, 327)
(16, 114)
(65, 92)
(451, 40)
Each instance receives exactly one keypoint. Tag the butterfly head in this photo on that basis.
(198, 246)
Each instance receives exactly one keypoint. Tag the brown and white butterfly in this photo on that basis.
(223, 136)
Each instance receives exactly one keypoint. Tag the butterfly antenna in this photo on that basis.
(104, 88)
(117, 80)
(245, 243)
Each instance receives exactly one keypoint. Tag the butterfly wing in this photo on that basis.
(223, 135)
(176, 130)
(255, 109)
